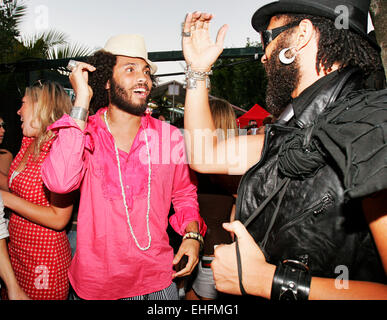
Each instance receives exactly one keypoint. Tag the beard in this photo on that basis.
(282, 80)
(119, 97)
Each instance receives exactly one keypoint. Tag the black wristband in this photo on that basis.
(239, 264)
(291, 281)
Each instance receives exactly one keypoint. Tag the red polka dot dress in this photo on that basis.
(40, 256)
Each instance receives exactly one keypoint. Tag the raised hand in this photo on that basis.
(79, 78)
(199, 50)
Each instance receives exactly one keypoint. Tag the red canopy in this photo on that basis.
(256, 113)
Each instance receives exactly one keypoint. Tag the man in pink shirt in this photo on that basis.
(129, 167)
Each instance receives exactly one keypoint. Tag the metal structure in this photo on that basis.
(29, 65)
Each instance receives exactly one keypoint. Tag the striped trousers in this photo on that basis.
(169, 293)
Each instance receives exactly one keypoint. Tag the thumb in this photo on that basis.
(238, 229)
(177, 257)
(221, 35)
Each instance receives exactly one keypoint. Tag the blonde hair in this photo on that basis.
(224, 118)
(50, 102)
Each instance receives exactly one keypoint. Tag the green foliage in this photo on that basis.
(11, 14)
(53, 44)
(69, 51)
(240, 81)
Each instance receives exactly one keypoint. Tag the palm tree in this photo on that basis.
(11, 14)
(51, 44)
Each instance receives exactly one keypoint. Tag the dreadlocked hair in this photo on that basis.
(342, 46)
(104, 63)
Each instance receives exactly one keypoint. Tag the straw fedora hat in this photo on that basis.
(129, 45)
(357, 9)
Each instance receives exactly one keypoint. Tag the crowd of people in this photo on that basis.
(276, 213)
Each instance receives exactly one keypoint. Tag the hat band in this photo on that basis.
(354, 14)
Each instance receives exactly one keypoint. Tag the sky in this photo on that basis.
(92, 22)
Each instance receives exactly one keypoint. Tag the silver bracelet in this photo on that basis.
(191, 78)
(195, 236)
(79, 113)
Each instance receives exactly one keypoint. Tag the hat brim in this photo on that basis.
(152, 66)
(262, 16)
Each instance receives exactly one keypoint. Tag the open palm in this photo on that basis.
(199, 50)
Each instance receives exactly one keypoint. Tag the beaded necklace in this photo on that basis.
(123, 189)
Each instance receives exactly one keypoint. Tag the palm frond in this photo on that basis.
(69, 51)
(19, 10)
(11, 15)
(54, 38)
(50, 38)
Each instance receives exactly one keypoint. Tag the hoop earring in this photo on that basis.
(282, 57)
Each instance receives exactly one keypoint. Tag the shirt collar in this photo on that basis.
(309, 94)
(286, 115)
(144, 119)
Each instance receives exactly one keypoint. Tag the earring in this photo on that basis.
(282, 57)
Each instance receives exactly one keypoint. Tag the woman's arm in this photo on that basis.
(56, 216)
(5, 163)
(7, 274)
(3, 181)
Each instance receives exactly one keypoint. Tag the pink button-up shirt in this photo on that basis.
(107, 263)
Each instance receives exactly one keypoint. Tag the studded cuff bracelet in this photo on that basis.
(291, 281)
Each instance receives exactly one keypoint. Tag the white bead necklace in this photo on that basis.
(123, 190)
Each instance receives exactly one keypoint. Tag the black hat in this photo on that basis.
(357, 9)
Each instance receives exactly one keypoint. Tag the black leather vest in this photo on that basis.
(314, 223)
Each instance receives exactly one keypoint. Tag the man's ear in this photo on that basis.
(306, 32)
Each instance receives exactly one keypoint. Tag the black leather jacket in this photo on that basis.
(315, 223)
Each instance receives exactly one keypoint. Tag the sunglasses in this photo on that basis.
(268, 36)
